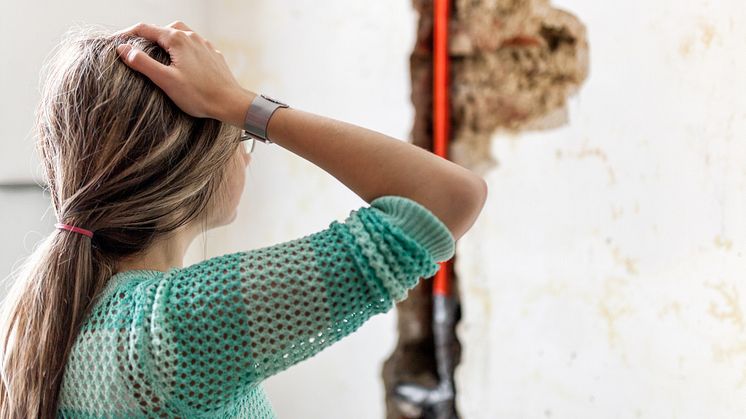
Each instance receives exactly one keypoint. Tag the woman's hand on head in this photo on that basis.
(198, 78)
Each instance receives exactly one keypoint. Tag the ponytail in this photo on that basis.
(42, 315)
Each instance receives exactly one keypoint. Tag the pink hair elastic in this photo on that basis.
(74, 229)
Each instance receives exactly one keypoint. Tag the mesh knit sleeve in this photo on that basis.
(218, 327)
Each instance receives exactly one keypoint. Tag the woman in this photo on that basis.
(142, 151)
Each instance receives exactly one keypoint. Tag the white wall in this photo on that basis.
(605, 277)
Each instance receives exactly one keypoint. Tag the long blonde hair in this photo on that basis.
(121, 159)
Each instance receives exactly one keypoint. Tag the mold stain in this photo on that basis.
(612, 307)
(731, 313)
(732, 306)
(705, 35)
(723, 243)
(590, 152)
(629, 264)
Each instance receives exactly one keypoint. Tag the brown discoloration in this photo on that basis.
(707, 33)
(590, 152)
(612, 307)
(723, 243)
(730, 309)
(704, 34)
(514, 65)
(629, 264)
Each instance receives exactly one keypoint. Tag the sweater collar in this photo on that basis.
(131, 274)
(139, 273)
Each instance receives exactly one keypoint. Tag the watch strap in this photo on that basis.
(258, 115)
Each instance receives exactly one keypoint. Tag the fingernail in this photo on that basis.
(123, 49)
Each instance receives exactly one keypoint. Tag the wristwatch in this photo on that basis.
(257, 117)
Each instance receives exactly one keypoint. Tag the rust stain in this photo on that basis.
(723, 243)
(591, 152)
(730, 313)
(731, 300)
(706, 34)
(610, 307)
(630, 265)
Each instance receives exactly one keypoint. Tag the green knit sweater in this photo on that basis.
(197, 342)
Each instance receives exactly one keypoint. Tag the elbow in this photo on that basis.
(478, 200)
(482, 193)
(468, 206)
(474, 196)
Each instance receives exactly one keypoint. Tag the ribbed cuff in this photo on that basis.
(418, 222)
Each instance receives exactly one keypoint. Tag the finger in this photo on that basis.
(149, 31)
(145, 64)
(177, 24)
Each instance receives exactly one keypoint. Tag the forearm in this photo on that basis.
(373, 164)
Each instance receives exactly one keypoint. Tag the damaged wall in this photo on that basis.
(605, 276)
(513, 64)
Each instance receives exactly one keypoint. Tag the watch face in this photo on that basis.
(273, 100)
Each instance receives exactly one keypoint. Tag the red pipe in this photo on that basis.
(441, 118)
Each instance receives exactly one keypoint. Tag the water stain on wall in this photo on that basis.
(612, 306)
(727, 310)
(629, 264)
(587, 152)
(723, 243)
(703, 35)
